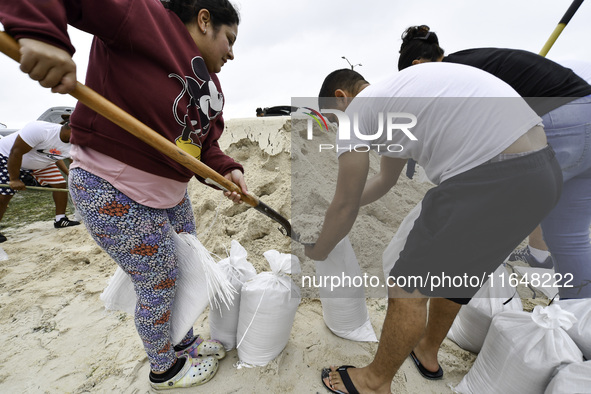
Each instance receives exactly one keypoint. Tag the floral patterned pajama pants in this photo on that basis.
(139, 239)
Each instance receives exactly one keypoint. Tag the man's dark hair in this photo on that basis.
(344, 79)
(222, 12)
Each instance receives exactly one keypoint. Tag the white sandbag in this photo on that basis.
(199, 282)
(343, 303)
(580, 332)
(392, 252)
(223, 321)
(473, 320)
(521, 352)
(119, 295)
(571, 378)
(268, 305)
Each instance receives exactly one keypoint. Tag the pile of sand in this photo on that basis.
(58, 338)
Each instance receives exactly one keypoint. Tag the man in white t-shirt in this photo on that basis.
(37, 146)
(496, 178)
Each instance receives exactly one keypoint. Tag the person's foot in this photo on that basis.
(337, 380)
(350, 380)
(2, 238)
(525, 255)
(432, 373)
(202, 348)
(195, 372)
(65, 222)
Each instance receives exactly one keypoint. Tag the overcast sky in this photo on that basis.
(285, 49)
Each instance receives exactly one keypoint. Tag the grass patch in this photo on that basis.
(31, 206)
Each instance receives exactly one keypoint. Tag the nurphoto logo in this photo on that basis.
(394, 121)
(317, 116)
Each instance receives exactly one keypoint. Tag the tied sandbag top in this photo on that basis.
(282, 263)
(553, 317)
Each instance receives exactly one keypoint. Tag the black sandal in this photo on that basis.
(423, 371)
(342, 370)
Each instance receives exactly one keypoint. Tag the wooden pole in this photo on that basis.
(561, 25)
(45, 189)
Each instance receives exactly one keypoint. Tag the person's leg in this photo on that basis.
(404, 325)
(52, 177)
(60, 199)
(535, 253)
(566, 230)
(536, 239)
(139, 239)
(6, 193)
(567, 131)
(442, 313)
(4, 200)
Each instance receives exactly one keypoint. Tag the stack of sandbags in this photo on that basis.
(473, 320)
(521, 352)
(343, 299)
(223, 320)
(268, 305)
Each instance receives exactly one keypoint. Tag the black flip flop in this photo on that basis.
(423, 371)
(342, 370)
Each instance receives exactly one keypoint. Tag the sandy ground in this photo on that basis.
(57, 336)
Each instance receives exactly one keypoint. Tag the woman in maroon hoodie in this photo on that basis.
(157, 61)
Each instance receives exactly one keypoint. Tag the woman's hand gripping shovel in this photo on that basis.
(104, 107)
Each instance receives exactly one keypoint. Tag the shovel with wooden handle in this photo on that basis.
(104, 107)
(40, 188)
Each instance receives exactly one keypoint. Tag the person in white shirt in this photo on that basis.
(477, 139)
(37, 146)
